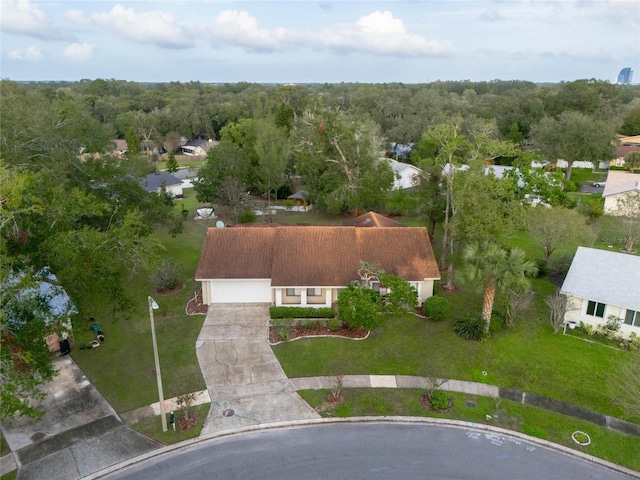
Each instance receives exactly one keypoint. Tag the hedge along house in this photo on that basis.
(308, 266)
(601, 284)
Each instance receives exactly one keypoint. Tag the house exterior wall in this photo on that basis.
(611, 203)
(243, 290)
(174, 189)
(282, 299)
(425, 290)
(577, 312)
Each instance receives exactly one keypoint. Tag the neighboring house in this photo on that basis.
(406, 175)
(621, 154)
(120, 147)
(300, 198)
(198, 146)
(155, 181)
(59, 307)
(187, 175)
(308, 266)
(619, 185)
(372, 219)
(601, 284)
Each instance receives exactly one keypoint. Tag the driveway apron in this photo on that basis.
(246, 383)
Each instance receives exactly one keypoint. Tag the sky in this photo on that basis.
(299, 41)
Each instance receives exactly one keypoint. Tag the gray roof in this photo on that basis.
(607, 277)
(186, 173)
(154, 181)
(399, 167)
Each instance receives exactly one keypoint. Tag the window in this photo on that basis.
(375, 286)
(632, 318)
(596, 309)
(293, 292)
(314, 292)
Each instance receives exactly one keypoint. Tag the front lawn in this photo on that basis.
(529, 357)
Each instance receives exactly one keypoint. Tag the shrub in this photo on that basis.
(541, 265)
(167, 277)
(355, 307)
(439, 400)
(284, 333)
(334, 324)
(558, 267)
(470, 327)
(301, 312)
(248, 216)
(436, 308)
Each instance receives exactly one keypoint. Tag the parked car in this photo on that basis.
(599, 184)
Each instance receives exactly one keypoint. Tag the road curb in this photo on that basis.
(392, 419)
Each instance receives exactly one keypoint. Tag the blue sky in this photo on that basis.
(319, 41)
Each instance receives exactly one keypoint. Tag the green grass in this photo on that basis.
(529, 357)
(152, 427)
(10, 476)
(123, 367)
(609, 445)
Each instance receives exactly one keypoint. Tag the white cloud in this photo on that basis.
(381, 33)
(76, 16)
(376, 33)
(32, 53)
(156, 28)
(21, 17)
(79, 51)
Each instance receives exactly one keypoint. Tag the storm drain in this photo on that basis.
(229, 412)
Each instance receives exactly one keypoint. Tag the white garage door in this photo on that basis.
(241, 291)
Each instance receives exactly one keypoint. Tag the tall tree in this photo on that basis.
(340, 157)
(493, 268)
(272, 150)
(172, 163)
(574, 136)
(553, 227)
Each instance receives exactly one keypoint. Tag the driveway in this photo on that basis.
(246, 383)
(79, 434)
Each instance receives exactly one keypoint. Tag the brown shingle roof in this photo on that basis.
(315, 256)
(237, 253)
(373, 219)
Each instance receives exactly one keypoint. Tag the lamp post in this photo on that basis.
(154, 306)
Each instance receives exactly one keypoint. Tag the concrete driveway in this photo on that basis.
(78, 435)
(246, 383)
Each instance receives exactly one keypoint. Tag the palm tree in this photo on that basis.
(493, 268)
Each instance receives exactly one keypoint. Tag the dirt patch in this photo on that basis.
(331, 400)
(195, 305)
(188, 422)
(281, 334)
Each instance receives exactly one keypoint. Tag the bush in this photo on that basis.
(167, 277)
(558, 267)
(439, 400)
(248, 216)
(541, 265)
(436, 308)
(470, 327)
(356, 307)
(301, 312)
(333, 324)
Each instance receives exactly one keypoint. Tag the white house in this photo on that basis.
(406, 175)
(198, 147)
(308, 265)
(601, 284)
(154, 182)
(620, 184)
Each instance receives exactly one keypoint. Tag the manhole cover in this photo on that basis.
(228, 412)
(470, 403)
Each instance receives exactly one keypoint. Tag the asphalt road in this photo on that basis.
(366, 451)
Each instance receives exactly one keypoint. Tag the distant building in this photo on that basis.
(625, 76)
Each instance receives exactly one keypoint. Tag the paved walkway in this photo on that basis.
(245, 381)
(79, 434)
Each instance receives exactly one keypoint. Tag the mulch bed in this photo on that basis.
(187, 423)
(299, 331)
(195, 305)
(168, 291)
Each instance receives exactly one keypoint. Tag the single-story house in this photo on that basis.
(187, 175)
(198, 146)
(372, 219)
(406, 175)
(155, 181)
(300, 198)
(620, 184)
(120, 147)
(622, 152)
(601, 284)
(308, 266)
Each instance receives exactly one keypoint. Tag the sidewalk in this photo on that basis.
(471, 388)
